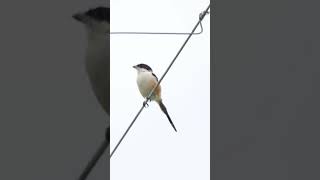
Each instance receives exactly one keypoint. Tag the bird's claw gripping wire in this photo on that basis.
(145, 103)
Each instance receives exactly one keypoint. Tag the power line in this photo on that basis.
(160, 33)
(202, 15)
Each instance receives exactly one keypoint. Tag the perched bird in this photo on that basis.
(97, 25)
(146, 81)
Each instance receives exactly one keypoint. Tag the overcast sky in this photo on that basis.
(152, 149)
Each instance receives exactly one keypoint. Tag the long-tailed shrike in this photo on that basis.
(146, 81)
(97, 25)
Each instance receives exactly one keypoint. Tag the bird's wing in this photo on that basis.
(155, 76)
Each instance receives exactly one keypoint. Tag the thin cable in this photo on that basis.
(162, 33)
(202, 15)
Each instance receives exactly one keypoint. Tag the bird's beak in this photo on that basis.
(134, 67)
(78, 17)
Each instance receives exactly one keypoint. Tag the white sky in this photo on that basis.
(152, 150)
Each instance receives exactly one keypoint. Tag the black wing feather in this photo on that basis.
(155, 76)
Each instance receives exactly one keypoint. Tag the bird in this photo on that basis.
(97, 59)
(146, 81)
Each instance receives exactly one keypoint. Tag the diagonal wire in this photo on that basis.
(202, 15)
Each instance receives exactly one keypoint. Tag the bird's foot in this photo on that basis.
(145, 104)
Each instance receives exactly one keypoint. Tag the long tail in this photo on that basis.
(164, 109)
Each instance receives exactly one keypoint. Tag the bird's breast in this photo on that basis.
(146, 82)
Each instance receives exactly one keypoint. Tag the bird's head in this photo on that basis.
(96, 19)
(142, 68)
